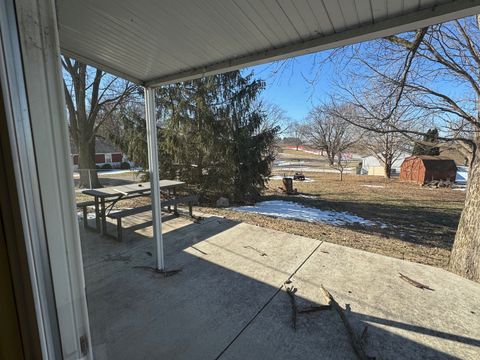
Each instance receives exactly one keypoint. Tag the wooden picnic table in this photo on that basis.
(112, 194)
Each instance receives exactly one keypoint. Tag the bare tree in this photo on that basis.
(340, 165)
(91, 96)
(437, 70)
(328, 130)
(377, 118)
(276, 117)
(296, 134)
(386, 148)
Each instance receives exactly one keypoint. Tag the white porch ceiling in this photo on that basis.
(153, 42)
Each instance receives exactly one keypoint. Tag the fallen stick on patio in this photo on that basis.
(415, 283)
(327, 297)
(291, 290)
(363, 337)
(256, 250)
(310, 309)
(356, 343)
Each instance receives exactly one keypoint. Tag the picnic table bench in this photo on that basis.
(110, 195)
(84, 205)
(119, 215)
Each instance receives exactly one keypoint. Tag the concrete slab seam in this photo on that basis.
(268, 301)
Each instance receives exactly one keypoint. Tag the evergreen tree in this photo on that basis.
(127, 129)
(215, 133)
(212, 135)
(428, 145)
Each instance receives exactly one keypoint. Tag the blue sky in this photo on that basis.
(288, 88)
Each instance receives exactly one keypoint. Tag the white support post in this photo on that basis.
(154, 172)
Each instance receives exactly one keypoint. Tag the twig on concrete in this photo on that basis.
(310, 309)
(415, 283)
(255, 249)
(327, 297)
(291, 290)
(363, 337)
(356, 343)
(288, 281)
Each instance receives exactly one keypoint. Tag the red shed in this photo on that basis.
(422, 169)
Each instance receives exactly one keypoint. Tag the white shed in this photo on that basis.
(372, 166)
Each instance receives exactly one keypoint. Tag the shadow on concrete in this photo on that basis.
(226, 303)
(418, 329)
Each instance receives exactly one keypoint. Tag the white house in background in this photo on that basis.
(372, 166)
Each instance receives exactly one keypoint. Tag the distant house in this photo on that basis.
(105, 153)
(422, 169)
(372, 166)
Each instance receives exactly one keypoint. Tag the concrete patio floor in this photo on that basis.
(229, 300)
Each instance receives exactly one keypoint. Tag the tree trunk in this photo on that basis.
(465, 256)
(331, 158)
(388, 169)
(198, 171)
(86, 164)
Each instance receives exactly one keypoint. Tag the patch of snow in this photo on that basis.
(292, 210)
(114, 172)
(373, 186)
(459, 189)
(320, 170)
(90, 216)
(100, 173)
(288, 163)
(308, 196)
(278, 177)
(315, 152)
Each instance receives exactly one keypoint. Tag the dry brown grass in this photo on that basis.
(294, 154)
(304, 159)
(421, 221)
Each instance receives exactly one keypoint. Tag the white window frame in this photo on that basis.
(32, 88)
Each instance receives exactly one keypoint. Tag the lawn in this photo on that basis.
(412, 222)
(420, 222)
(289, 159)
